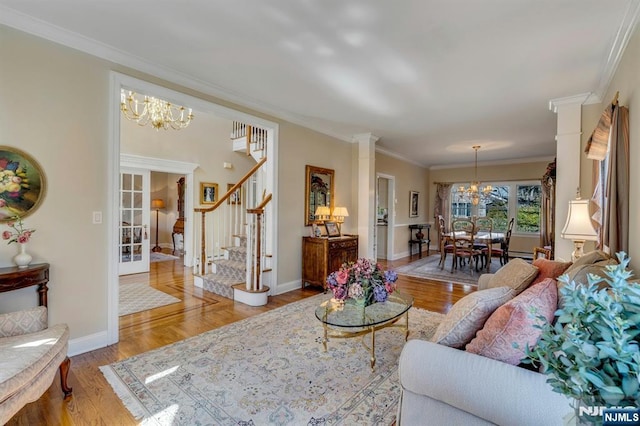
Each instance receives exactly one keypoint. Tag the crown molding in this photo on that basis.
(46, 30)
(554, 104)
(399, 157)
(495, 163)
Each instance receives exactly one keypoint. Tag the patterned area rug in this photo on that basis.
(140, 297)
(269, 369)
(161, 257)
(427, 267)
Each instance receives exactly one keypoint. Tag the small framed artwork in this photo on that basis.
(332, 229)
(236, 197)
(208, 193)
(414, 201)
(316, 231)
(22, 184)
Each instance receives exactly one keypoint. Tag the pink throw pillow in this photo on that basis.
(513, 322)
(549, 269)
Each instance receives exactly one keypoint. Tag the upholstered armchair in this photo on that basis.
(30, 354)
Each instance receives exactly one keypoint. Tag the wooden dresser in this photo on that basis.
(321, 256)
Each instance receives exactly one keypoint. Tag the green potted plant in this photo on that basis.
(591, 353)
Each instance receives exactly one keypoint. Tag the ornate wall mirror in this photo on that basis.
(318, 192)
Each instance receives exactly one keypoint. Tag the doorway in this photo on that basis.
(385, 216)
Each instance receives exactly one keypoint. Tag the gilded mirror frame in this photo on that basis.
(318, 190)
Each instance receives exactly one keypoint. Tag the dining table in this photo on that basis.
(487, 238)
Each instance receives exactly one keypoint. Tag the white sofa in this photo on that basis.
(30, 354)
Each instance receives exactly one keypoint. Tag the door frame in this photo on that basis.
(391, 213)
(118, 81)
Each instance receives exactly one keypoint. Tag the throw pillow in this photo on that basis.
(26, 321)
(517, 274)
(468, 315)
(549, 269)
(514, 322)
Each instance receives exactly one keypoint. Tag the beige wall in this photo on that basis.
(495, 173)
(627, 81)
(54, 104)
(408, 177)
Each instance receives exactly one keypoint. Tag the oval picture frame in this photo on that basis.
(22, 184)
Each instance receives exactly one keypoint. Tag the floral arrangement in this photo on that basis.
(363, 281)
(19, 233)
(13, 180)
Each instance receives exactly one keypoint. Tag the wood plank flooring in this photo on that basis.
(94, 403)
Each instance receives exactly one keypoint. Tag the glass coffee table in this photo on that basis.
(346, 319)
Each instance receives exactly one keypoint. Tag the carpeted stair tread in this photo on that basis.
(220, 285)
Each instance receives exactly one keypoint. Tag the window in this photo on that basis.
(514, 199)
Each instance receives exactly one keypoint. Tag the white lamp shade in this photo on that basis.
(340, 212)
(578, 226)
(322, 212)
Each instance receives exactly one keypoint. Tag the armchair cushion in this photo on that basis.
(23, 322)
(517, 274)
(468, 315)
(514, 322)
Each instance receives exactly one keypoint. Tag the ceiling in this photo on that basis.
(430, 78)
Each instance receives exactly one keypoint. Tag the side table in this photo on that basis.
(419, 241)
(13, 278)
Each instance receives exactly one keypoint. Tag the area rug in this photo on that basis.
(269, 369)
(139, 297)
(161, 257)
(428, 267)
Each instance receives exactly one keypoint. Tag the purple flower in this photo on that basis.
(390, 276)
(379, 294)
(331, 280)
(339, 293)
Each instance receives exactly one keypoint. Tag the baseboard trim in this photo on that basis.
(287, 287)
(88, 343)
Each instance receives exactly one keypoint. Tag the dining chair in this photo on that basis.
(444, 241)
(483, 225)
(541, 253)
(463, 236)
(502, 252)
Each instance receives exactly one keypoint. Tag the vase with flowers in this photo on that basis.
(19, 233)
(364, 282)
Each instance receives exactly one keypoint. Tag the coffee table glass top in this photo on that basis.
(348, 314)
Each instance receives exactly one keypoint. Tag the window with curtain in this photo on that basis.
(521, 200)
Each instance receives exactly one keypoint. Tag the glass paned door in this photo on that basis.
(133, 248)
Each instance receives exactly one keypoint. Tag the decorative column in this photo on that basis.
(366, 193)
(568, 138)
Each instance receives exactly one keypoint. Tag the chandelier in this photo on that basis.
(157, 112)
(474, 192)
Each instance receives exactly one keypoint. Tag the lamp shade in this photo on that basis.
(322, 212)
(578, 226)
(340, 212)
(157, 203)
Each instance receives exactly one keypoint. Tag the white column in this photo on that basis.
(366, 193)
(568, 137)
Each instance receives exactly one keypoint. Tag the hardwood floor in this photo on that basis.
(93, 401)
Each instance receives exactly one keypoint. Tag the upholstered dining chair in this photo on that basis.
(463, 236)
(444, 241)
(484, 225)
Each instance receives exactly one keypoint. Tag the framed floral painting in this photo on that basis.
(22, 184)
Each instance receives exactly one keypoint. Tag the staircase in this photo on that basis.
(228, 271)
(233, 237)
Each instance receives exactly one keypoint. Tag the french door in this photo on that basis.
(133, 248)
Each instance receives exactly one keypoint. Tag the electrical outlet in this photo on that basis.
(97, 218)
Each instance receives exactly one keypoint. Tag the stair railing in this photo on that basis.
(256, 137)
(227, 219)
(256, 246)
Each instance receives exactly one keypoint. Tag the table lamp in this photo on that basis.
(157, 204)
(339, 213)
(322, 213)
(578, 227)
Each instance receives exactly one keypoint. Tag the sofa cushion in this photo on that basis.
(468, 315)
(514, 322)
(549, 269)
(23, 322)
(517, 274)
(24, 357)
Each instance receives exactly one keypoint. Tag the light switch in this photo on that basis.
(97, 218)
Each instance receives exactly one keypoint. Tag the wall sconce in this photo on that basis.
(578, 227)
(322, 213)
(339, 213)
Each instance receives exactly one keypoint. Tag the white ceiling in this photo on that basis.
(431, 78)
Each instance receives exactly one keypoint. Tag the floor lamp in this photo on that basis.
(157, 204)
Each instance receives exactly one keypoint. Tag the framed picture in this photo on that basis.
(318, 192)
(316, 231)
(208, 193)
(22, 184)
(332, 229)
(414, 201)
(236, 197)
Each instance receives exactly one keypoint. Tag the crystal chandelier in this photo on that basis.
(474, 192)
(157, 112)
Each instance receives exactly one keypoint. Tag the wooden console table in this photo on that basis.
(419, 241)
(14, 278)
(322, 256)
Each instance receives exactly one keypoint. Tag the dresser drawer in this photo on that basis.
(343, 244)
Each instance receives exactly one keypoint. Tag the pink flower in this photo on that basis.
(342, 276)
(2, 202)
(6, 235)
(23, 238)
